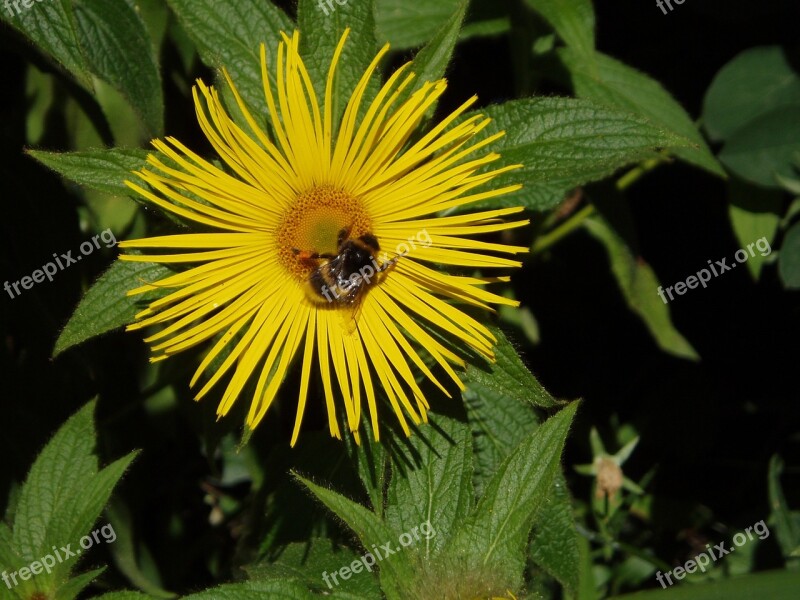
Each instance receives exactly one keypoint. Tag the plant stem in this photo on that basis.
(632, 176)
(574, 221)
(565, 228)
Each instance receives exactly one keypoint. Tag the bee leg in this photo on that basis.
(388, 264)
(305, 254)
(344, 233)
(311, 255)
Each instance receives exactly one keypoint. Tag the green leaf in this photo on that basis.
(555, 538)
(755, 82)
(307, 562)
(82, 510)
(71, 588)
(119, 51)
(492, 541)
(106, 306)
(395, 569)
(775, 585)
(155, 14)
(765, 147)
(411, 24)
(587, 587)
(320, 34)
(755, 214)
(509, 376)
(40, 90)
(9, 560)
(255, 590)
(101, 170)
(562, 143)
(639, 286)
(371, 464)
(499, 423)
(52, 28)
(431, 484)
(228, 34)
(485, 28)
(608, 81)
(62, 497)
(431, 62)
(789, 258)
(573, 21)
(59, 472)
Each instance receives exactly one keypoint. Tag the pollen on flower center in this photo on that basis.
(313, 223)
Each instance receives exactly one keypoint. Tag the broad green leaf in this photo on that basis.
(492, 541)
(101, 170)
(783, 522)
(74, 586)
(40, 91)
(119, 51)
(755, 215)
(755, 82)
(431, 485)
(608, 81)
(106, 306)
(307, 562)
(431, 62)
(789, 258)
(320, 34)
(52, 28)
(573, 21)
(127, 127)
(499, 423)
(255, 590)
(765, 147)
(775, 585)
(155, 14)
(555, 538)
(60, 501)
(587, 586)
(371, 464)
(81, 511)
(228, 34)
(639, 286)
(411, 24)
(485, 28)
(509, 376)
(395, 569)
(60, 472)
(562, 143)
(9, 560)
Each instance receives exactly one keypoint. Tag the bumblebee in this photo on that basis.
(342, 279)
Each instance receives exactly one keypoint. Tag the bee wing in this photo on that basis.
(351, 311)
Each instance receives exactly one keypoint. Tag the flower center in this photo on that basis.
(313, 224)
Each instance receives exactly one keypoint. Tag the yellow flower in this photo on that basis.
(283, 200)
